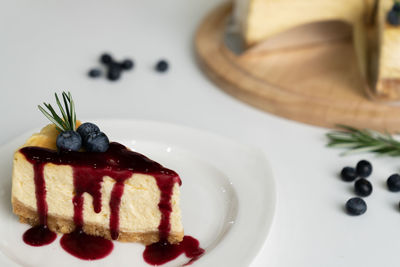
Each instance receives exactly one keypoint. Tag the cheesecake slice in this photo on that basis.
(118, 194)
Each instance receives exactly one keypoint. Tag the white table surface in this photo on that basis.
(48, 46)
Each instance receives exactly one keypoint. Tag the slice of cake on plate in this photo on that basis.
(68, 178)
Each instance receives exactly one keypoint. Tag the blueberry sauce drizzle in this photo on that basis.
(84, 246)
(40, 192)
(39, 235)
(163, 252)
(89, 169)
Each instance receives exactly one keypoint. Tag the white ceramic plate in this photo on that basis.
(227, 197)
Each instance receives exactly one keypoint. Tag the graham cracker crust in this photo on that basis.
(65, 226)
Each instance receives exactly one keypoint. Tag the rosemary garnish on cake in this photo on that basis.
(87, 136)
(363, 140)
(68, 120)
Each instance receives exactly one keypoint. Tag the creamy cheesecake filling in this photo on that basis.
(134, 193)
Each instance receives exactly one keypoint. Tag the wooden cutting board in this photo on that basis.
(317, 83)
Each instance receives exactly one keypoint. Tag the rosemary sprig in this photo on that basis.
(68, 120)
(364, 140)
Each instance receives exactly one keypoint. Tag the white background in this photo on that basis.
(48, 46)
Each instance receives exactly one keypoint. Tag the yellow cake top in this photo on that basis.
(46, 137)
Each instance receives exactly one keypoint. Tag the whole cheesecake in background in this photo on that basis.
(258, 20)
(376, 40)
(116, 194)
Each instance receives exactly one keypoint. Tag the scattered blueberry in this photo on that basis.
(363, 187)
(393, 183)
(115, 69)
(162, 66)
(86, 128)
(115, 66)
(127, 64)
(356, 206)
(94, 73)
(393, 17)
(364, 168)
(106, 58)
(348, 174)
(69, 140)
(96, 142)
(114, 73)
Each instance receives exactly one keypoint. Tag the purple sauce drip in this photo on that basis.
(163, 252)
(38, 236)
(86, 247)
